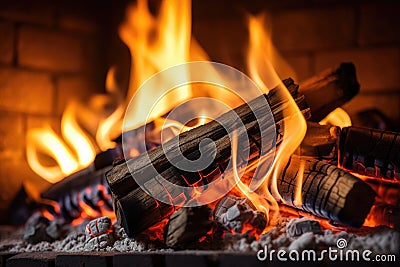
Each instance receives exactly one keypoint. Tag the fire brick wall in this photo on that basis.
(53, 51)
(50, 52)
(314, 35)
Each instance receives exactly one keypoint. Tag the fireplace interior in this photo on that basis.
(68, 192)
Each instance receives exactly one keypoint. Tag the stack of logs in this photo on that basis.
(328, 191)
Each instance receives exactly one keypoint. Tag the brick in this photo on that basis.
(7, 43)
(310, 29)
(222, 39)
(11, 132)
(74, 88)
(379, 23)
(139, 259)
(54, 51)
(35, 12)
(88, 259)
(42, 259)
(25, 91)
(14, 171)
(77, 24)
(377, 68)
(239, 259)
(38, 121)
(388, 104)
(301, 66)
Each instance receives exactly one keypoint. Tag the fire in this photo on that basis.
(262, 65)
(77, 146)
(157, 43)
(338, 117)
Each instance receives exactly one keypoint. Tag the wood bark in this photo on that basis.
(330, 89)
(137, 210)
(187, 225)
(320, 142)
(370, 152)
(326, 191)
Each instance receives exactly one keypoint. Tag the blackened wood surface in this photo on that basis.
(370, 152)
(187, 225)
(327, 191)
(320, 142)
(137, 210)
(330, 89)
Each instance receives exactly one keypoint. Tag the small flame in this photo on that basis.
(76, 148)
(76, 152)
(76, 137)
(106, 125)
(338, 117)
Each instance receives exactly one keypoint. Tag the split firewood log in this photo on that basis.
(326, 191)
(370, 152)
(137, 210)
(330, 89)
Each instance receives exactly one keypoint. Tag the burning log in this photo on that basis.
(384, 214)
(187, 225)
(388, 193)
(327, 191)
(330, 89)
(370, 152)
(136, 210)
(320, 142)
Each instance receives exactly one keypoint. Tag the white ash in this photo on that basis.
(76, 241)
(38, 228)
(99, 234)
(234, 212)
(378, 240)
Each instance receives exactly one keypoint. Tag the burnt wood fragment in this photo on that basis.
(370, 152)
(330, 89)
(187, 225)
(235, 212)
(297, 227)
(384, 214)
(320, 142)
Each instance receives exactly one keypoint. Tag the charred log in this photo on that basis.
(330, 89)
(384, 214)
(187, 225)
(137, 210)
(370, 152)
(326, 191)
(320, 142)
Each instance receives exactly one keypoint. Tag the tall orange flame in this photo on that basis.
(262, 65)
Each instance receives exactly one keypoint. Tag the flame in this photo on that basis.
(76, 148)
(263, 61)
(338, 117)
(76, 137)
(76, 152)
(106, 125)
(156, 43)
